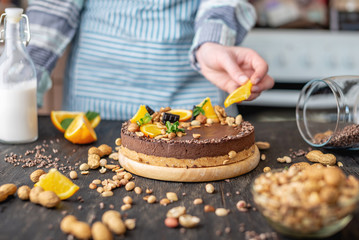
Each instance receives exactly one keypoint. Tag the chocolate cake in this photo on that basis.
(219, 147)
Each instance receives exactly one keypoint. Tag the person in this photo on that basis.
(157, 53)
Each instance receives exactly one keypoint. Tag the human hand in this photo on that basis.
(230, 67)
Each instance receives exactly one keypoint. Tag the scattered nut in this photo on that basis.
(48, 199)
(106, 149)
(100, 232)
(73, 175)
(284, 159)
(151, 199)
(95, 150)
(93, 161)
(165, 201)
(209, 188)
(318, 156)
(112, 219)
(107, 194)
(188, 221)
(103, 162)
(209, 208)
(133, 127)
(197, 201)
(102, 170)
(126, 207)
(118, 141)
(130, 186)
(263, 145)
(266, 169)
(92, 186)
(7, 190)
(138, 190)
(35, 175)
(84, 167)
(221, 212)
(24, 192)
(196, 135)
(176, 212)
(127, 200)
(263, 157)
(130, 224)
(149, 191)
(239, 119)
(195, 123)
(171, 222)
(232, 154)
(84, 172)
(172, 196)
(71, 225)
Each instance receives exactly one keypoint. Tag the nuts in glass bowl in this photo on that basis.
(314, 201)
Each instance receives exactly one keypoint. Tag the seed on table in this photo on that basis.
(128, 176)
(209, 188)
(73, 175)
(209, 208)
(84, 167)
(149, 191)
(171, 222)
(102, 170)
(263, 157)
(138, 190)
(188, 221)
(126, 207)
(198, 201)
(107, 194)
(96, 181)
(221, 212)
(266, 169)
(84, 172)
(115, 177)
(92, 186)
(151, 199)
(130, 186)
(120, 175)
(172, 196)
(176, 212)
(164, 201)
(127, 200)
(123, 182)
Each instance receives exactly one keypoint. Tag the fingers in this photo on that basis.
(253, 96)
(230, 65)
(260, 68)
(266, 83)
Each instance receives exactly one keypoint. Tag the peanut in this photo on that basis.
(127, 200)
(130, 186)
(35, 175)
(48, 199)
(164, 201)
(133, 127)
(138, 190)
(24, 192)
(130, 224)
(239, 119)
(318, 156)
(73, 175)
(151, 199)
(93, 161)
(112, 219)
(221, 212)
(70, 225)
(106, 149)
(100, 232)
(7, 190)
(172, 196)
(171, 222)
(300, 165)
(95, 150)
(232, 154)
(209, 208)
(84, 167)
(263, 145)
(197, 201)
(118, 142)
(176, 212)
(34, 194)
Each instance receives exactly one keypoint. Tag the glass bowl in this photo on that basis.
(296, 217)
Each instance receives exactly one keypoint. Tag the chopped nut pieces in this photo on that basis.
(84, 167)
(209, 208)
(130, 224)
(266, 169)
(196, 135)
(93, 161)
(263, 145)
(284, 159)
(151, 199)
(118, 142)
(314, 196)
(197, 201)
(138, 190)
(239, 119)
(209, 188)
(165, 201)
(176, 212)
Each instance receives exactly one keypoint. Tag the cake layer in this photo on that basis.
(187, 163)
(216, 140)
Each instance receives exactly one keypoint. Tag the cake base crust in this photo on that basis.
(203, 174)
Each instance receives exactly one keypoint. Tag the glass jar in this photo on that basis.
(327, 112)
(18, 107)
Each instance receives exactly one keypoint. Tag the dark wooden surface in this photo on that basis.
(25, 220)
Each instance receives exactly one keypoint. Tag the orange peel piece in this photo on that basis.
(150, 130)
(139, 114)
(184, 114)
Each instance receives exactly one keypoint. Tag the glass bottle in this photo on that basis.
(327, 112)
(18, 107)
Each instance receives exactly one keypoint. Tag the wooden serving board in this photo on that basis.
(203, 174)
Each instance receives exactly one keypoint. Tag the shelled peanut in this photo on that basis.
(306, 198)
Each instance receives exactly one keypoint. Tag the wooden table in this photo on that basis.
(25, 220)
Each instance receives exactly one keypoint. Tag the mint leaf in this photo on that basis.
(91, 115)
(173, 127)
(66, 123)
(199, 109)
(146, 119)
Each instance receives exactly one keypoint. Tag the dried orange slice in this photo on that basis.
(208, 109)
(240, 94)
(183, 113)
(139, 114)
(150, 130)
(80, 131)
(58, 183)
(58, 116)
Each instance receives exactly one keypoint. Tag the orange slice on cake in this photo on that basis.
(209, 110)
(139, 114)
(184, 114)
(150, 130)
